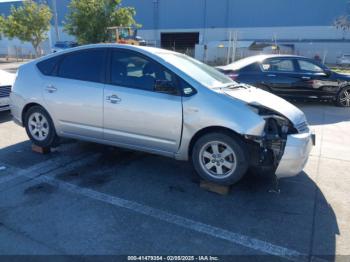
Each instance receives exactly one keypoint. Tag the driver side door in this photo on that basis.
(135, 115)
(315, 80)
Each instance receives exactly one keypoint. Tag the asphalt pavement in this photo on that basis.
(89, 199)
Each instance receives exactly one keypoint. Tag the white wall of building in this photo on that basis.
(15, 47)
(303, 38)
(256, 33)
(306, 39)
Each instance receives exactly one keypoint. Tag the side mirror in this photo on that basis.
(165, 86)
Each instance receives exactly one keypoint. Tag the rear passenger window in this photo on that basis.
(87, 65)
(278, 65)
(133, 70)
(49, 66)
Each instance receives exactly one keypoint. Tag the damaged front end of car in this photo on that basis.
(268, 150)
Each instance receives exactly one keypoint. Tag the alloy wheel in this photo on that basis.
(218, 159)
(38, 126)
(344, 98)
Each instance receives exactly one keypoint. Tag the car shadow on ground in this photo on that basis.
(298, 218)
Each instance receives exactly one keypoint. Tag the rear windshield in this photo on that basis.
(242, 63)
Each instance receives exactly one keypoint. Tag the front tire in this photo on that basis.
(40, 128)
(220, 158)
(343, 97)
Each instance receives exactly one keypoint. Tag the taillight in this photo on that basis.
(233, 76)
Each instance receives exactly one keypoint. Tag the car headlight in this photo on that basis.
(274, 120)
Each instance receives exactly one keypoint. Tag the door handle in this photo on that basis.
(306, 77)
(271, 75)
(114, 99)
(51, 89)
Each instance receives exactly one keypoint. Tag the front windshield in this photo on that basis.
(202, 73)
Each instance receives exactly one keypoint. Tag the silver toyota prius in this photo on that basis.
(161, 102)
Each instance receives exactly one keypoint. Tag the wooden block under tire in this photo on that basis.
(212, 187)
(41, 150)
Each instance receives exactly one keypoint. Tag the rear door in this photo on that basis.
(251, 74)
(135, 115)
(281, 76)
(74, 93)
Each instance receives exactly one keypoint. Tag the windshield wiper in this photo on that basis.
(236, 86)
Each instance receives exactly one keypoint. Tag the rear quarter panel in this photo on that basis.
(26, 89)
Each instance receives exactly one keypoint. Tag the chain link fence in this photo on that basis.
(16, 53)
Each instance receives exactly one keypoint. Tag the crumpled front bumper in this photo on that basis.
(296, 154)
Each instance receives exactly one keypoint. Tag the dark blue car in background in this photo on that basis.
(291, 77)
(63, 45)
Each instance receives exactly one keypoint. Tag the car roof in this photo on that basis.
(253, 59)
(142, 49)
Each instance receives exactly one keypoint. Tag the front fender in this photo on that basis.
(217, 111)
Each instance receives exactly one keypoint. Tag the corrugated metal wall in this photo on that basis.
(185, 14)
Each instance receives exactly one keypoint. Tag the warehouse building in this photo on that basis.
(214, 30)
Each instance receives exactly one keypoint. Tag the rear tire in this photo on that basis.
(220, 158)
(40, 128)
(343, 97)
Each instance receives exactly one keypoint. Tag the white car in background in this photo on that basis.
(343, 60)
(6, 82)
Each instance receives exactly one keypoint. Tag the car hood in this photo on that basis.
(258, 97)
(6, 79)
(342, 77)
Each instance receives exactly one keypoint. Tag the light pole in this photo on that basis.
(54, 6)
(156, 21)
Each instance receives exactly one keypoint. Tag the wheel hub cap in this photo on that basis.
(218, 159)
(345, 98)
(38, 126)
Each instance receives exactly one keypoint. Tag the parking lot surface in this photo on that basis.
(11, 66)
(88, 199)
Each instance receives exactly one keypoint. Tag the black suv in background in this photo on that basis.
(291, 77)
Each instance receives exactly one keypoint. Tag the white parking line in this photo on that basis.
(235, 238)
(43, 167)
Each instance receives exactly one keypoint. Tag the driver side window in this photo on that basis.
(307, 66)
(129, 69)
